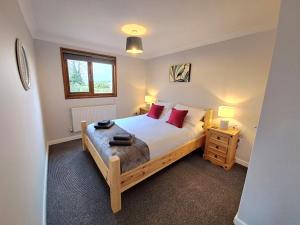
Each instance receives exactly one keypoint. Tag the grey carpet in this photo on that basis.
(191, 191)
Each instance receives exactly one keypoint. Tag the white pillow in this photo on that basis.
(167, 107)
(194, 116)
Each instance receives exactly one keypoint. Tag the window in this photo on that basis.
(88, 75)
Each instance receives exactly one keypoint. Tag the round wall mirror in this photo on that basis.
(22, 65)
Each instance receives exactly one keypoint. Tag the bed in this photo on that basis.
(166, 145)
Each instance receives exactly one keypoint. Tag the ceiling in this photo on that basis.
(172, 25)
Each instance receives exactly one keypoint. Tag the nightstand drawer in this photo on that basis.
(216, 147)
(216, 157)
(219, 138)
(216, 152)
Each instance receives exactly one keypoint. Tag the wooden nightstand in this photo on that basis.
(144, 110)
(220, 146)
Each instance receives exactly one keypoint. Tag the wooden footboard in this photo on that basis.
(140, 173)
(118, 182)
(112, 173)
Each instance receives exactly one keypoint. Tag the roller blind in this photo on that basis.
(82, 56)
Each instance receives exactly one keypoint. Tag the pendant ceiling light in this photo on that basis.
(134, 43)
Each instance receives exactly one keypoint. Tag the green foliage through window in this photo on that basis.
(78, 76)
(102, 74)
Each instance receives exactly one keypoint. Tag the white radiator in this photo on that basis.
(91, 114)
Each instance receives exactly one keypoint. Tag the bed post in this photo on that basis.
(208, 119)
(83, 133)
(115, 183)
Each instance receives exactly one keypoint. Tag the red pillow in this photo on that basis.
(177, 117)
(155, 111)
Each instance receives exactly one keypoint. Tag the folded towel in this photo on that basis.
(104, 126)
(122, 136)
(121, 142)
(103, 122)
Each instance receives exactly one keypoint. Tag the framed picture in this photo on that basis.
(180, 73)
(22, 63)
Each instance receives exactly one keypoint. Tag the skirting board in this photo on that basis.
(45, 187)
(238, 221)
(62, 140)
(241, 162)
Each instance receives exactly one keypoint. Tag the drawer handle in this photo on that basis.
(216, 156)
(218, 138)
(217, 147)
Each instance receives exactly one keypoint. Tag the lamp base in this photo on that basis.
(224, 124)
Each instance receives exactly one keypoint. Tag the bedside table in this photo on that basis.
(220, 146)
(144, 110)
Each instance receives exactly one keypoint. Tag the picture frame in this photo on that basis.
(180, 72)
(22, 63)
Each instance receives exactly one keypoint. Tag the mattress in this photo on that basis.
(160, 136)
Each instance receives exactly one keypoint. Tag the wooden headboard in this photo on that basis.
(208, 119)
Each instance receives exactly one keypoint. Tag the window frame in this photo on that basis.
(91, 56)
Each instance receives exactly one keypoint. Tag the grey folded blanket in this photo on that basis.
(130, 156)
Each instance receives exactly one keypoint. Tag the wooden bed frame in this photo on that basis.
(119, 182)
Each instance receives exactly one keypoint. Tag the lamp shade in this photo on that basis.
(134, 45)
(149, 99)
(226, 111)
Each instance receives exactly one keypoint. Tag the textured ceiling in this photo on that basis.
(173, 25)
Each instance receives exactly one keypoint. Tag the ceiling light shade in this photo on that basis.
(134, 45)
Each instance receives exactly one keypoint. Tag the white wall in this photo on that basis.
(233, 73)
(22, 153)
(271, 192)
(131, 79)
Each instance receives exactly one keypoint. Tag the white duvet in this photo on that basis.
(161, 137)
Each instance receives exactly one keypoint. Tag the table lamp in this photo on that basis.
(149, 100)
(225, 112)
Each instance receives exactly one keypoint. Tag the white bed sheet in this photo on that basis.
(161, 137)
